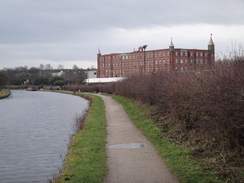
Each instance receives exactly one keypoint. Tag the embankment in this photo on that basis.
(4, 93)
(86, 158)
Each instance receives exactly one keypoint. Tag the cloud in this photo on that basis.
(184, 36)
(71, 30)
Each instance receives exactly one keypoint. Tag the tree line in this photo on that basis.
(43, 75)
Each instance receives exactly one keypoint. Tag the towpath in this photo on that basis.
(131, 157)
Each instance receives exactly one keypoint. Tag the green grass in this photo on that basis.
(177, 158)
(86, 158)
(4, 93)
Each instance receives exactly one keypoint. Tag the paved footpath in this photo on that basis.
(131, 157)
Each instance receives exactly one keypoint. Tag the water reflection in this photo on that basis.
(34, 131)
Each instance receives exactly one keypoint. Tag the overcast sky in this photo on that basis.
(68, 32)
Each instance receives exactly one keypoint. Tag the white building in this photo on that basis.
(103, 80)
(91, 73)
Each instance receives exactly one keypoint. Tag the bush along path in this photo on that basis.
(201, 110)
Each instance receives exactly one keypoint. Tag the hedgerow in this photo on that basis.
(202, 109)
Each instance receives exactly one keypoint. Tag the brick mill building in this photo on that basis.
(144, 61)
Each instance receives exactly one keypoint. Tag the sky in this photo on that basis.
(70, 32)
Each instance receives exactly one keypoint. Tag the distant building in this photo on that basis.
(103, 80)
(92, 78)
(91, 73)
(142, 61)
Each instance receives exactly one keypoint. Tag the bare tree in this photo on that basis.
(48, 67)
(60, 67)
(41, 66)
(75, 67)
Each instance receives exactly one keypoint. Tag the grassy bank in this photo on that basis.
(177, 158)
(4, 93)
(86, 158)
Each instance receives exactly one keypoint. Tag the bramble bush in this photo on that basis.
(207, 102)
(203, 109)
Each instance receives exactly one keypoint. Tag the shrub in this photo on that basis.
(3, 80)
(59, 82)
(202, 108)
(208, 102)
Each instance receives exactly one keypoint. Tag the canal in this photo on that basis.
(35, 128)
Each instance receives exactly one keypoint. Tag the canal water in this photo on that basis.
(35, 128)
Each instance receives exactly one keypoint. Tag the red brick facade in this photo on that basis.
(154, 61)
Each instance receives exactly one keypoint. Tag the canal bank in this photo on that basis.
(86, 157)
(4, 93)
(90, 158)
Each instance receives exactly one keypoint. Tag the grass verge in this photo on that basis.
(4, 93)
(86, 158)
(177, 158)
